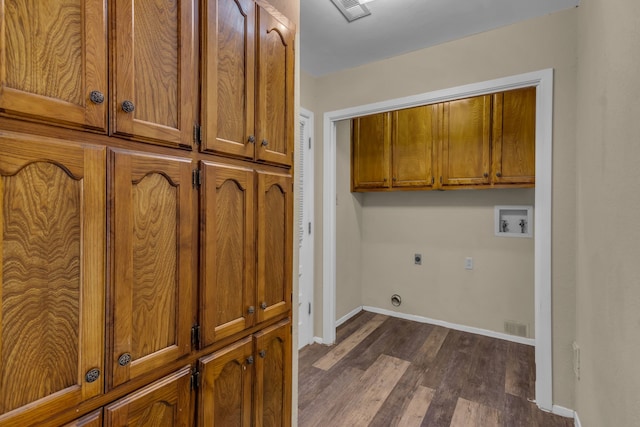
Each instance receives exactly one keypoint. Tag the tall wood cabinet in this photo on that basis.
(133, 248)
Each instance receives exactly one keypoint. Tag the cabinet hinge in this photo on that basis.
(195, 336)
(197, 134)
(196, 178)
(195, 380)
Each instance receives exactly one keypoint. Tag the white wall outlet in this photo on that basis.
(468, 263)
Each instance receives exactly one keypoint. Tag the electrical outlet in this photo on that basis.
(468, 263)
(417, 259)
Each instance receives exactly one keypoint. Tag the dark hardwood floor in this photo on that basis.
(385, 371)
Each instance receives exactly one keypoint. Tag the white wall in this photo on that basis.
(608, 247)
(546, 42)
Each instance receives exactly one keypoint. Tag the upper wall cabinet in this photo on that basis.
(153, 71)
(480, 142)
(52, 214)
(53, 61)
(370, 152)
(465, 155)
(247, 105)
(54, 66)
(514, 137)
(412, 147)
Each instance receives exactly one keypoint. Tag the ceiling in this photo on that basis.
(328, 43)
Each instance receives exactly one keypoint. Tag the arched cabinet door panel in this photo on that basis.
(52, 218)
(151, 262)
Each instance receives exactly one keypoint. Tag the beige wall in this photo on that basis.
(546, 42)
(608, 291)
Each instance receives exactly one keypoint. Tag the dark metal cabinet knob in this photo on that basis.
(92, 375)
(250, 360)
(265, 142)
(128, 107)
(263, 353)
(263, 305)
(96, 97)
(251, 139)
(498, 174)
(486, 175)
(251, 310)
(124, 359)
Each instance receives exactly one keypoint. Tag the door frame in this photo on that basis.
(543, 81)
(309, 188)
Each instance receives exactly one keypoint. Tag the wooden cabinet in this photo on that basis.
(228, 295)
(480, 142)
(53, 56)
(412, 146)
(164, 403)
(247, 107)
(54, 67)
(370, 151)
(275, 240)
(52, 211)
(126, 255)
(151, 225)
(229, 381)
(239, 208)
(464, 157)
(153, 71)
(513, 139)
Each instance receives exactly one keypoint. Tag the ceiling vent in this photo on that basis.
(352, 9)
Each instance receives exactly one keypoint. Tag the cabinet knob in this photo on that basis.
(263, 353)
(128, 107)
(265, 142)
(124, 359)
(250, 360)
(486, 175)
(96, 97)
(498, 174)
(251, 310)
(384, 179)
(395, 179)
(92, 375)
(263, 305)
(251, 139)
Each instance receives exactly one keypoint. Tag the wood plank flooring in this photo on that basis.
(385, 371)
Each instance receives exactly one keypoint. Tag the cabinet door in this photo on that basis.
(275, 223)
(370, 151)
(154, 76)
(514, 137)
(273, 376)
(94, 419)
(412, 147)
(227, 303)
(225, 389)
(164, 403)
(275, 88)
(465, 150)
(53, 56)
(228, 77)
(52, 215)
(152, 217)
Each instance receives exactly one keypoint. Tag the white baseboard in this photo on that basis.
(318, 340)
(576, 420)
(463, 328)
(562, 411)
(348, 316)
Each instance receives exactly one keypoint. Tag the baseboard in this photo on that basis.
(318, 340)
(562, 411)
(576, 420)
(455, 326)
(348, 316)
